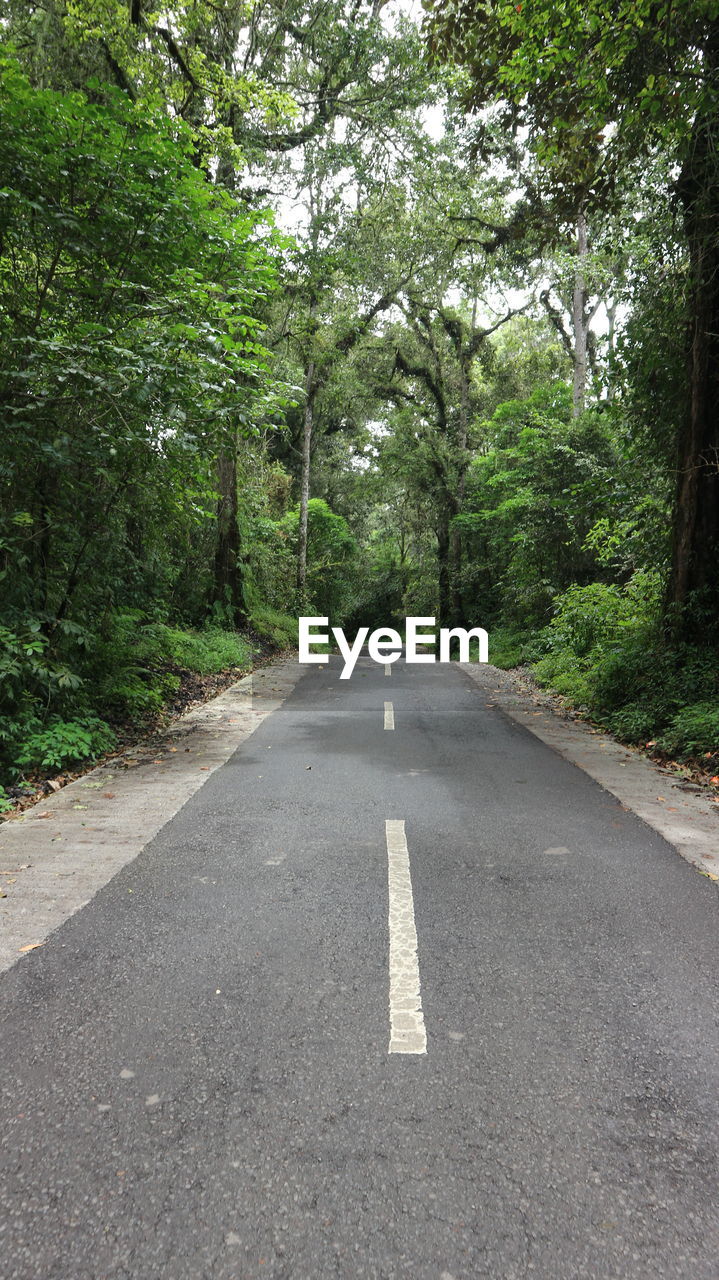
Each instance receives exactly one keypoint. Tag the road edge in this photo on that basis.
(57, 854)
(687, 821)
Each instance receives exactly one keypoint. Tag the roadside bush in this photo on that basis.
(205, 652)
(594, 629)
(65, 742)
(605, 651)
(692, 730)
(509, 648)
(278, 628)
(562, 671)
(56, 700)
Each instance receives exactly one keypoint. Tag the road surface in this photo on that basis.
(398, 993)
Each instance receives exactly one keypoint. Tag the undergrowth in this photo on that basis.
(66, 696)
(606, 653)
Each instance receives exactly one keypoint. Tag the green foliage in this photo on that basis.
(27, 670)
(130, 348)
(278, 628)
(692, 730)
(65, 743)
(588, 632)
(532, 499)
(598, 86)
(604, 651)
(127, 674)
(510, 648)
(331, 551)
(205, 652)
(130, 358)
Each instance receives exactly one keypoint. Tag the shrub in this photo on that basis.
(508, 648)
(66, 742)
(692, 730)
(205, 652)
(565, 675)
(279, 628)
(125, 669)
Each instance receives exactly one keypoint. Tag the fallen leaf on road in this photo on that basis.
(204, 768)
(709, 875)
(53, 785)
(31, 946)
(43, 815)
(108, 795)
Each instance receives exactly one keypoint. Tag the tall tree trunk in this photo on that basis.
(457, 608)
(579, 318)
(228, 577)
(443, 567)
(695, 552)
(611, 347)
(310, 392)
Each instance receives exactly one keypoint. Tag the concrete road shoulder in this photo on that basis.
(686, 820)
(57, 855)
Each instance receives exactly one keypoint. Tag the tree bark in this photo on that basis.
(579, 318)
(310, 392)
(444, 576)
(693, 595)
(457, 607)
(228, 585)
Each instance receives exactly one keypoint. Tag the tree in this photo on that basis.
(130, 347)
(600, 87)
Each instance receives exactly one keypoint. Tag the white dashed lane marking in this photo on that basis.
(388, 715)
(407, 1030)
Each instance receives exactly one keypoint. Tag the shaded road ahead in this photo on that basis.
(195, 1071)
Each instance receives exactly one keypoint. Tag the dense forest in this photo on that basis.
(342, 307)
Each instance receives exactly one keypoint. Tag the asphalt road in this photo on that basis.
(195, 1073)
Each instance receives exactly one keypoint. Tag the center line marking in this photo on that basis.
(388, 715)
(407, 1031)
(387, 669)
